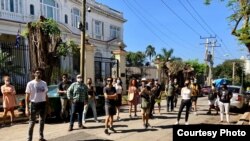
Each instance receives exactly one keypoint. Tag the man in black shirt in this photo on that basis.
(110, 96)
(62, 91)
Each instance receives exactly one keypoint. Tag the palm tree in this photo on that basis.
(150, 52)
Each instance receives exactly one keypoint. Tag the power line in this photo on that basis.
(165, 27)
(170, 9)
(148, 27)
(197, 13)
(193, 16)
(142, 18)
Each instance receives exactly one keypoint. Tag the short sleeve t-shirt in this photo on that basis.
(63, 87)
(37, 90)
(109, 91)
(185, 93)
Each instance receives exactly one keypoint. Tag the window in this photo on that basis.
(12, 5)
(114, 32)
(32, 10)
(49, 9)
(66, 18)
(98, 29)
(75, 17)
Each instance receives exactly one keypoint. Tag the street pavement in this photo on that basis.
(127, 129)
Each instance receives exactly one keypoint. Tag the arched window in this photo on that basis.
(32, 9)
(15, 6)
(66, 18)
(75, 17)
(50, 9)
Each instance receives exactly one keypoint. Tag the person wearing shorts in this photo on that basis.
(110, 102)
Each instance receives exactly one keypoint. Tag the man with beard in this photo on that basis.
(36, 96)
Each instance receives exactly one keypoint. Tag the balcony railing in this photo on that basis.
(11, 16)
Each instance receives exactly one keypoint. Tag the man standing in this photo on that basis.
(62, 91)
(170, 89)
(77, 93)
(36, 97)
(110, 96)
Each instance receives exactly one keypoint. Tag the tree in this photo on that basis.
(135, 59)
(225, 70)
(150, 52)
(45, 45)
(6, 65)
(240, 16)
(197, 68)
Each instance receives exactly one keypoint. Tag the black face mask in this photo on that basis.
(186, 85)
(89, 83)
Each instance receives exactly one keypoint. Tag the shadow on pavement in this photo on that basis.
(95, 140)
(164, 126)
(136, 130)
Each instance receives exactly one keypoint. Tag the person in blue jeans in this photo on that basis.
(77, 93)
(91, 101)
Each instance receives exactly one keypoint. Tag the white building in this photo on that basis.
(104, 26)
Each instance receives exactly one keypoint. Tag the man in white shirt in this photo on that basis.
(36, 97)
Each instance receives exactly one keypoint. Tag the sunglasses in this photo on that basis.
(108, 80)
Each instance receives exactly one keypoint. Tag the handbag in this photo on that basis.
(130, 96)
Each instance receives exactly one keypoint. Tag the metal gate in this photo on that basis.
(106, 67)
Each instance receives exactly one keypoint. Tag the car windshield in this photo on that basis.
(234, 90)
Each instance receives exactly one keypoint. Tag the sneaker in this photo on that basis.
(42, 140)
(83, 122)
(144, 126)
(97, 121)
(195, 113)
(148, 125)
(130, 116)
(112, 129)
(106, 132)
(177, 123)
(118, 118)
(135, 115)
(209, 113)
(186, 123)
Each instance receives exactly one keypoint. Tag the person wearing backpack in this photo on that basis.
(224, 102)
(212, 97)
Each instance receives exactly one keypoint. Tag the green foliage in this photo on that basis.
(199, 68)
(66, 48)
(150, 52)
(6, 65)
(135, 58)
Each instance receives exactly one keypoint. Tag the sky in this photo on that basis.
(181, 25)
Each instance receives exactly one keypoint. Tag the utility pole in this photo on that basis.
(212, 60)
(207, 59)
(233, 72)
(82, 51)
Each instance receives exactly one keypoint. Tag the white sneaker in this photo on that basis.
(83, 122)
(177, 123)
(195, 113)
(186, 123)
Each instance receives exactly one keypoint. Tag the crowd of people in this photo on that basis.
(79, 96)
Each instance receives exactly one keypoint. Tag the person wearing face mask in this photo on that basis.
(91, 101)
(77, 93)
(36, 98)
(118, 87)
(9, 98)
(185, 102)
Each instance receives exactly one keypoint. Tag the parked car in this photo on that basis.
(239, 99)
(54, 106)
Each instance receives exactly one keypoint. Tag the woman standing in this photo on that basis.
(9, 98)
(133, 94)
(145, 94)
(224, 102)
(185, 102)
(118, 87)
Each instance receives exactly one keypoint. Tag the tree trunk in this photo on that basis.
(42, 48)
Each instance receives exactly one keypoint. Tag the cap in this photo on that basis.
(187, 81)
(143, 79)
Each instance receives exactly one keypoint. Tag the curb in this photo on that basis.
(17, 119)
(243, 118)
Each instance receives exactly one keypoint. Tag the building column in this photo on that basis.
(120, 55)
(158, 67)
(89, 63)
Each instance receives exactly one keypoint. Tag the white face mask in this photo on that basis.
(79, 79)
(118, 81)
